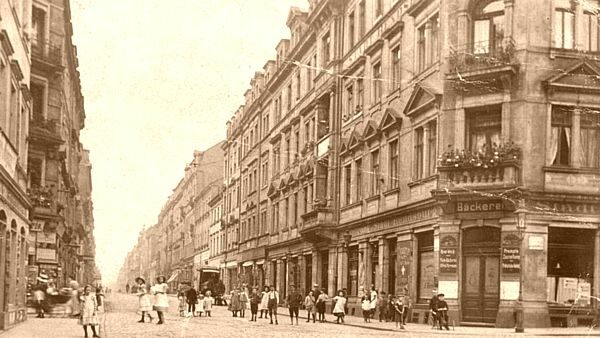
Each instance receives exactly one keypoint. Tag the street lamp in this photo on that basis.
(347, 238)
(520, 217)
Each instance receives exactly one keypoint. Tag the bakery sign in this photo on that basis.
(480, 206)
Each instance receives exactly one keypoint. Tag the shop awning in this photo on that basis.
(210, 270)
(248, 263)
(173, 276)
(260, 262)
(231, 264)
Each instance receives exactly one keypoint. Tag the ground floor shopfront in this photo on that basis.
(14, 229)
(479, 252)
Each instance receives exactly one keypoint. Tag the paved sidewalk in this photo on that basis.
(425, 329)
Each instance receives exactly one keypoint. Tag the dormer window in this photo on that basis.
(488, 27)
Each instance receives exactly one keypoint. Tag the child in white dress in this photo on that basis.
(200, 306)
(208, 303)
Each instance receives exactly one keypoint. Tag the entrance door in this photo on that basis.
(481, 275)
(481, 288)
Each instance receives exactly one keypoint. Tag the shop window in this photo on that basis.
(353, 270)
(377, 88)
(570, 265)
(359, 175)
(396, 67)
(488, 27)
(426, 272)
(590, 139)
(374, 262)
(564, 25)
(484, 128)
(560, 138)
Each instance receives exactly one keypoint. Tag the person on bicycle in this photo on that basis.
(442, 312)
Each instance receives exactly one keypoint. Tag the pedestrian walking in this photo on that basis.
(407, 304)
(310, 306)
(293, 301)
(273, 303)
(264, 302)
(89, 311)
(243, 301)
(39, 298)
(365, 304)
(191, 297)
(254, 301)
(374, 298)
(338, 308)
(145, 303)
(209, 301)
(321, 302)
(234, 304)
(382, 307)
(161, 302)
(74, 286)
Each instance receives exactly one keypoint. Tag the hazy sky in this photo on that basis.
(160, 79)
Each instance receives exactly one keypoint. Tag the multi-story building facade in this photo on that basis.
(88, 270)
(424, 145)
(15, 108)
(216, 237)
(60, 224)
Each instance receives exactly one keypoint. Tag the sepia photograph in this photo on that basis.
(299, 168)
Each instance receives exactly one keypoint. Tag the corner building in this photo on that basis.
(425, 145)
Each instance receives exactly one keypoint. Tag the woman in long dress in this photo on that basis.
(144, 299)
(89, 311)
(161, 303)
(234, 304)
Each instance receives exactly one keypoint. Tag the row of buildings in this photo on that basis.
(419, 146)
(46, 210)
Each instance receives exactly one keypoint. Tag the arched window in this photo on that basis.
(488, 27)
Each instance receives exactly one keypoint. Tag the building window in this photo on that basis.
(276, 217)
(349, 101)
(359, 172)
(295, 210)
(297, 144)
(289, 98)
(362, 18)
(564, 25)
(348, 185)
(286, 212)
(396, 67)
(591, 26)
(590, 139)
(419, 140)
(360, 94)
(484, 128)
(325, 45)
(265, 124)
(276, 157)
(561, 136)
(434, 49)
(432, 146)
(393, 149)
(378, 8)
(351, 29)
(287, 150)
(298, 86)
(377, 82)
(375, 172)
(426, 270)
(38, 92)
(488, 27)
(421, 60)
(309, 80)
(38, 31)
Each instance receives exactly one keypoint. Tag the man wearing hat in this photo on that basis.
(293, 302)
(145, 303)
(442, 312)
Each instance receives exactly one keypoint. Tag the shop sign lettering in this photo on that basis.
(568, 208)
(479, 206)
(448, 260)
(511, 260)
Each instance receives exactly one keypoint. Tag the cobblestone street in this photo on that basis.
(121, 321)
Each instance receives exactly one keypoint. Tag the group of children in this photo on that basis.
(391, 308)
(203, 305)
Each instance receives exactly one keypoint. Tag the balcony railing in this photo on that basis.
(41, 197)
(481, 55)
(492, 166)
(46, 52)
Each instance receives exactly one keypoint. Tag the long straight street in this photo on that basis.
(120, 320)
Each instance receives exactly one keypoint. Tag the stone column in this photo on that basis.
(383, 259)
(363, 270)
(316, 267)
(342, 280)
(332, 271)
(280, 279)
(384, 264)
(534, 267)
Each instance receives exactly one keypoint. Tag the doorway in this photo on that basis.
(481, 274)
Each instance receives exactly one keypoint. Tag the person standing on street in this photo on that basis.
(442, 312)
(293, 301)
(338, 309)
(74, 298)
(366, 308)
(89, 311)
(383, 307)
(406, 303)
(321, 302)
(145, 304)
(191, 297)
(254, 301)
(243, 300)
(310, 305)
(273, 303)
(264, 302)
(39, 297)
(234, 303)
(161, 304)
(208, 303)
(373, 296)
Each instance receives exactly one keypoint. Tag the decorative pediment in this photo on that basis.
(390, 118)
(343, 145)
(354, 66)
(295, 14)
(282, 183)
(422, 99)
(583, 76)
(371, 130)
(355, 139)
(272, 190)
